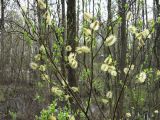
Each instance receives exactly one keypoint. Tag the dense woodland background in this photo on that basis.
(80, 59)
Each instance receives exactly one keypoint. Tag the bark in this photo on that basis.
(2, 15)
(157, 37)
(64, 39)
(146, 12)
(2, 40)
(122, 58)
(71, 35)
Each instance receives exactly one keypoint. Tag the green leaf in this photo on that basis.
(27, 39)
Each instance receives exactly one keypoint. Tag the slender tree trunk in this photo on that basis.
(146, 12)
(122, 62)
(157, 37)
(2, 40)
(71, 35)
(2, 15)
(64, 39)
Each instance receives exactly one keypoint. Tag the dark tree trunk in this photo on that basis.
(2, 15)
(157, 35)
(71, 35)
(64, 39)
(2, 40)
(122, 58)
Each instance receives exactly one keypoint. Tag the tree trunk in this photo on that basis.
(71, 35)
(2, 41)
(157, 37)
(64, 39)
(2, 15)
(122, 58)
